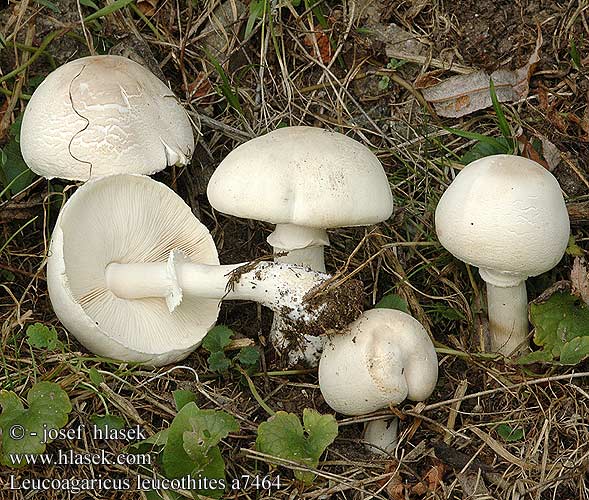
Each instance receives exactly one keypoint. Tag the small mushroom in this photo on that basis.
(505, 215)
(102, 115)
(305, 180)
(135, 276)
(381, 359)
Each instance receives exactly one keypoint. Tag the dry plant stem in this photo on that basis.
(280, 287)
(508, 318)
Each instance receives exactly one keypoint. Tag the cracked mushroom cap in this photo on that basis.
(381, 359)
(505, 215)
(103, 115)
(127, 219)
(305, 176)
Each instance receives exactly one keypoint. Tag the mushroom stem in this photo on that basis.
(302, 245)
(380, 436)
(508, 317)
(280, 287)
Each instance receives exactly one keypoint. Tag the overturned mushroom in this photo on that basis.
(102, 115)
(135, 276)
(305, 180)
(381, 359)
(505, 215)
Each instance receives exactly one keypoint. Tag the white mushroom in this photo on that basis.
(305, 180)
(135, 276)
(101, 115)
(505, 215)
(381, 359)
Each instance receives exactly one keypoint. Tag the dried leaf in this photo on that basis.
(222, 28)
(201, 86)
(473, 485)
(431, 481)
(323, 44)
(394, 486)
(399, 43)
(553, 117)
(147, 7)
(580, 279)
(551, 154)
(396, 489)
(464, 94)
(528, 151)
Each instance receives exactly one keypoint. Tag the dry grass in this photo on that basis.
(276, 76)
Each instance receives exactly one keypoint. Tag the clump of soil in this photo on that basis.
(331, 309)
(337, 306)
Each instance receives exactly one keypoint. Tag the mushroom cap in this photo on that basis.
(382, 358)
(103, 115)
(125, 219)
(302, 175)
(505, 215)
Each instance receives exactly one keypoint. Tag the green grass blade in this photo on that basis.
(501, 120)
(18, 231)
(225, 87)
(13, 181)
(478, 137)
(109, 9)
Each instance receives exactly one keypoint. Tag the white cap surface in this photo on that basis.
(505, 215)
(103, 115)
(302, 175)
(382, 358)
(127, 219)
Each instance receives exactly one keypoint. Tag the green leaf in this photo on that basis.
(89, 3)
(392, 301)
(510, 434)
(95, 377)
(248, 356)
(218, 362)
(562, 330)
(501, 120)
(41, 336)
(14, 130)
(449, 313)
(217, 338)
(283, 436)
(182, 398)
(484, 148)
(256, 12)
(109, 9)
(535, 357)
(575, 351)
(14, 172)
(225, 87)
(158, 440)
(192, 444)
(49, 406)
(153, 495)
(575, 55)
(112, 421)
(6, 276)
(49, 5)
(574, 249)
(384, 82)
